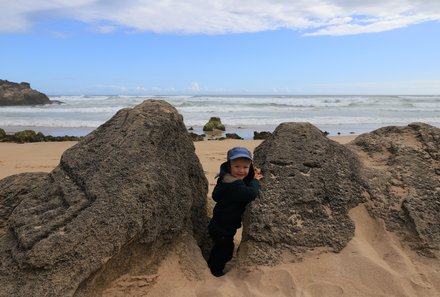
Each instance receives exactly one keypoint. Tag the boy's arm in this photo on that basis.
(217, 192)
(243, 192)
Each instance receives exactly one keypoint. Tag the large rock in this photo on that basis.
(214, 123)
(129, 188)
(402, 165)
(20, 94)
(310, 183)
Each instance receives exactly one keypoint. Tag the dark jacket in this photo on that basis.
(232, 195)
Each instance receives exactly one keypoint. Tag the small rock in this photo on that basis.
(262, 135)
(233, 136)
(197, 137)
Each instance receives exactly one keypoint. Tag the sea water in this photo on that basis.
(78, 115)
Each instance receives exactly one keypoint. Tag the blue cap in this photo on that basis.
(239, 152)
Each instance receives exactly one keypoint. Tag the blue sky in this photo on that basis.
(137, 47)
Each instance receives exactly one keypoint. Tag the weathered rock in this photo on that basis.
(13, 190)
(403, 172)
(127, 189)
(310, 183)
(262, 135)
(214, 123)
(20, 94)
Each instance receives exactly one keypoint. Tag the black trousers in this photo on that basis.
(222, 250)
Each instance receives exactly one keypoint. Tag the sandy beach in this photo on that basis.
(373, 264)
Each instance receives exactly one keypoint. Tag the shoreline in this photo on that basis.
(245, 132)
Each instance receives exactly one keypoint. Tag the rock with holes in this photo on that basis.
(310, 182)
(128, 188)
(402, 166)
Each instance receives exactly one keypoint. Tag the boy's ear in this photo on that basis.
(228, 167)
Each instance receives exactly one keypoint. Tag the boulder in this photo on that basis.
(310, 183)
(214, 123)
(118, 198)
(402, 166)
(20, 94)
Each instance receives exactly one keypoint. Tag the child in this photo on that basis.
(237, 185)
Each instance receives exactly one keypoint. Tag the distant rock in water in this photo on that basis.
(309, 184)
(20, 94)
(214, 123)
(118, 198)
(402, 166)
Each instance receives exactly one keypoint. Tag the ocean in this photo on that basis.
(343, 115)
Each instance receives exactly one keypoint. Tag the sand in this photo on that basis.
(374, 263)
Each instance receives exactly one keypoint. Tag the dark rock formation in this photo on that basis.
(128, 188)
(310, 183)
(262, 135)
(402, 165)
(20, 94)
(32, 136)
(233, 136)
(197, 137)
(214, 123)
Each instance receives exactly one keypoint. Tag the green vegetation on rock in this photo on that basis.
(214, 123)
(32, 136)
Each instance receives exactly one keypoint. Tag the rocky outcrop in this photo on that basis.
(32, 136)
(129, 188)
(402, 166)
(310, 183)
(20, 94)
(214, 123)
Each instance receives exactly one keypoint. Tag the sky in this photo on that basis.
(181, 47)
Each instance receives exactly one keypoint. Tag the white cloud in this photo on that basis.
(313, 17)
(195, 86)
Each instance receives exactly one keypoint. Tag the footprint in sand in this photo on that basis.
(323, 289)
(276, 283)
(420, 280)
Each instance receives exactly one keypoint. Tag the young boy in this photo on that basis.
(237, 185)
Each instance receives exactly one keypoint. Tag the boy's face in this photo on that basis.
(240, 168)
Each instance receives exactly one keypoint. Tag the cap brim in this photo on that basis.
(240, 156)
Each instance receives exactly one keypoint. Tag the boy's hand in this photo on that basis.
(258, 174)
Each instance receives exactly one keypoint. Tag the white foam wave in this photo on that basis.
(91, 111)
